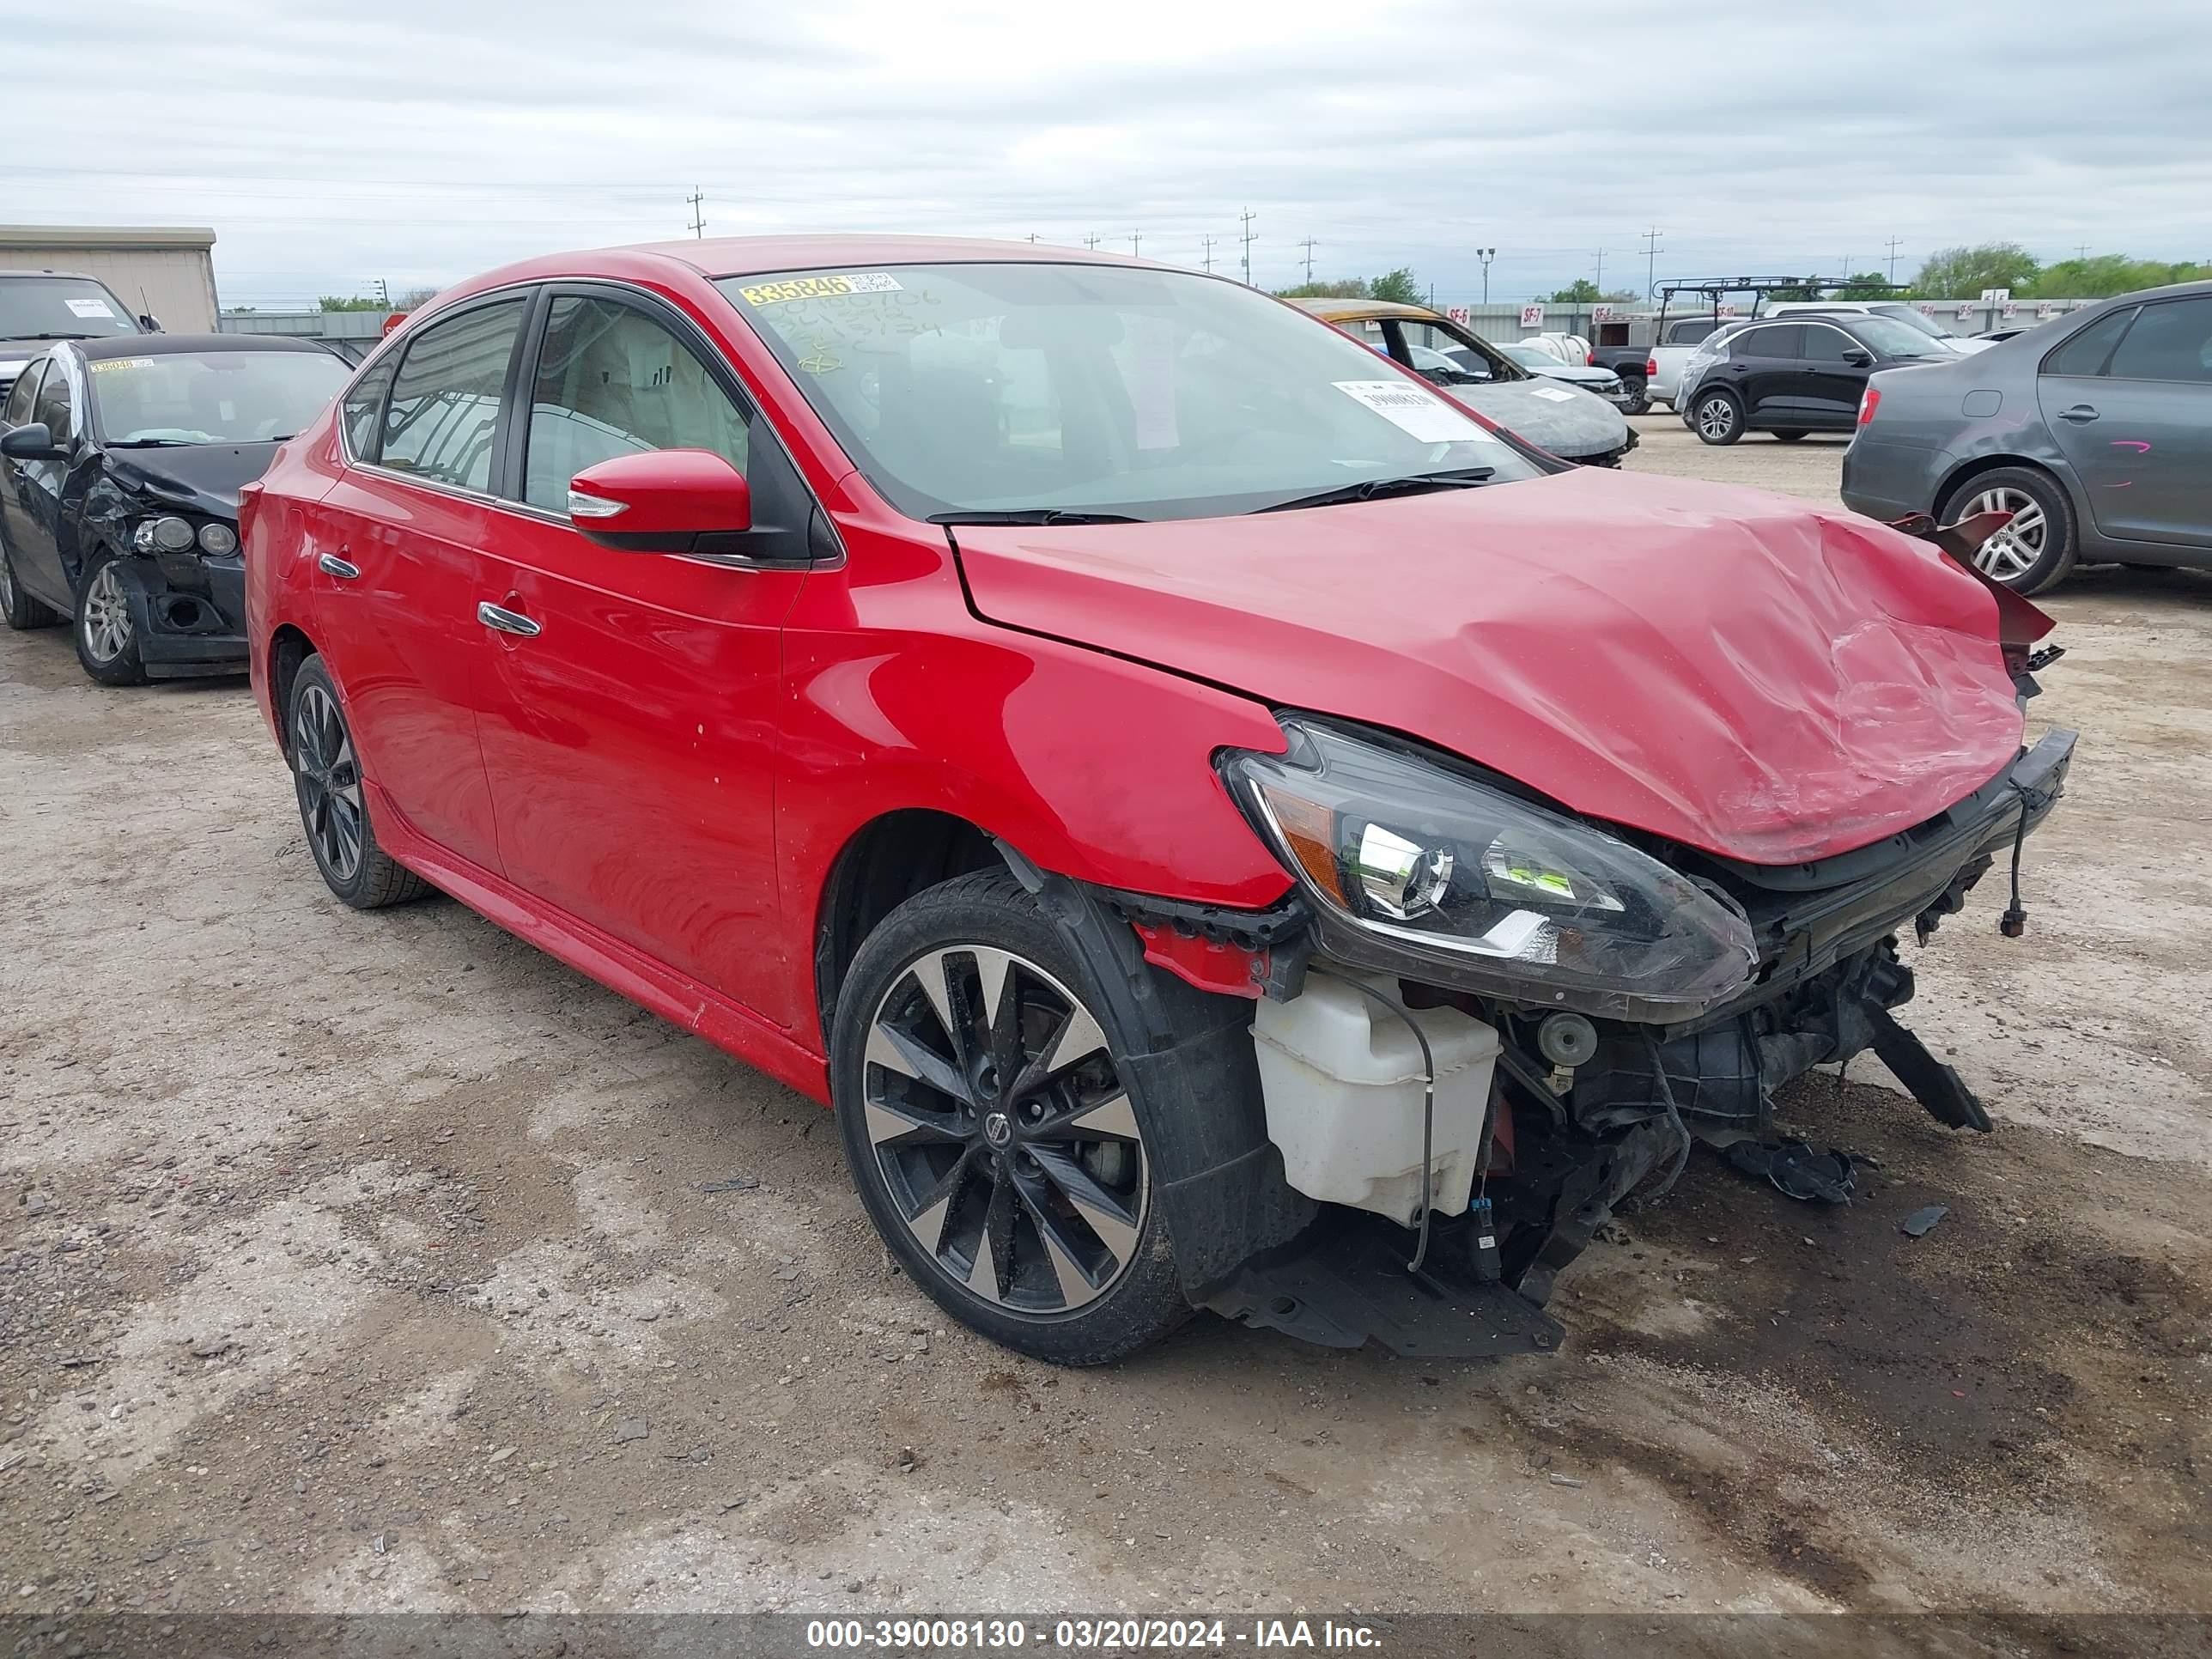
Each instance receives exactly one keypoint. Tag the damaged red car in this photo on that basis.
(1222, 826)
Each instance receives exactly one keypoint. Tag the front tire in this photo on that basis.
(2037, 549)
(18, 608)
(1789, 437)
(1639, 400)
(993, 1132)
(105, 633)
(334, 806)
(1718, 419)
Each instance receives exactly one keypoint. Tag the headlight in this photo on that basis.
(165, 535)
(218, 538)
(1418, 869)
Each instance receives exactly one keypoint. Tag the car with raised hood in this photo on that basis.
(1221, 825)
(121, 459)
(2093, 431)
(1570, 422)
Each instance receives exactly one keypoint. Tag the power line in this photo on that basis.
(1308, 244)
(698, 213)
(1248, 215)
(1651, 252)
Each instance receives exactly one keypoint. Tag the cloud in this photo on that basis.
(330, 146)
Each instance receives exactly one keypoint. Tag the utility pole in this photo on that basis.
(1651, 252)
(1308, 244)
(698, 213)
(1091, 242)
(1892, 244)
(1209, 254)
(1248, 215)
(1033, 238)
(2081, 250)
(1135, 237)
(1600, 271)
(1486, 254)
(383, 293)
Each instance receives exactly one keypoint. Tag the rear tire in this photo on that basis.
(19, 610)
(333, 803)
(1639, 400)
(1716, 418)
(1025, 1205)
(2037, 551)
(105, 633)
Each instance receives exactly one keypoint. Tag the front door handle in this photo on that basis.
(2081, 414)
(506, 622)
(330, 565)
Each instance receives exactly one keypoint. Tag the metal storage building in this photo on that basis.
(168, 271)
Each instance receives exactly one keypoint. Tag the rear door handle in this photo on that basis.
(2081, 414)
(506, 622)
(330, 565)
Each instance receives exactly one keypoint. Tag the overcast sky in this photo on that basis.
(329, 145)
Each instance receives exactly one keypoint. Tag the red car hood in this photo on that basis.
(1767, 680)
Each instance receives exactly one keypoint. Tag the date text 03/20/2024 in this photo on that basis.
(987, 1635)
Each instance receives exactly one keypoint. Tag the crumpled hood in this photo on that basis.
(202, 478)
(1580, 422)
(1762, 678)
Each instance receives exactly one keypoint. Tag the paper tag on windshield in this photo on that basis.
(109, 365)
(90, 308)
(1415, 412)
(821, 288)
(1553, 394)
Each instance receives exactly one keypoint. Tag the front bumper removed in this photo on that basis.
(189, 612)
(1570, 1147)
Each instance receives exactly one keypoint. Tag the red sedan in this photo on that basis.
(1221, 825)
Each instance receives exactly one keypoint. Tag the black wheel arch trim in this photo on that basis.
(1217, 1177)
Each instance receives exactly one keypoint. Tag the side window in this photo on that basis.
(2086, 352)
(18, 412)
(443, 417)
(1690, 333)
(53, 406)
(1826, 345)
(1776, 340)
(613, 381)
(2171, 340)
(362, 410)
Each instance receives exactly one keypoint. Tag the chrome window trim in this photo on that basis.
(506, 290)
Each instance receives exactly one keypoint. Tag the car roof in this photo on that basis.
(1363, 311)
(71, 275)
(747, 256)
(175, 345)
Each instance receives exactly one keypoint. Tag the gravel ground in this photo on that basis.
(369, 1261)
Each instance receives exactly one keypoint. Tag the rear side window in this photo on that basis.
(1776, 340)
(442, 421)
(2086, 352)
(613, 381)
(18, 412)
(1690, 333)
(362, 410)
(2171, 340)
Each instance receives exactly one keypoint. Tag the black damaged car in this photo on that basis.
(120, 463)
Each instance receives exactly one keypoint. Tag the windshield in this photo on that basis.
(1914, 320)
(1530, 357)
(1894, 339)
(211, 398)
(1097, 389)
(60, 308)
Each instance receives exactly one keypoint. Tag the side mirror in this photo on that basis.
(32, 443)
(149, 322)
(662, 500)
(1858, 359)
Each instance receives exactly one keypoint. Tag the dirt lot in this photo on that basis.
(357, 1261)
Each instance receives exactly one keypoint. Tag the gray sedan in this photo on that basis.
(2095, 433)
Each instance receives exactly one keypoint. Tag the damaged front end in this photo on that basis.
(1483, 1024)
